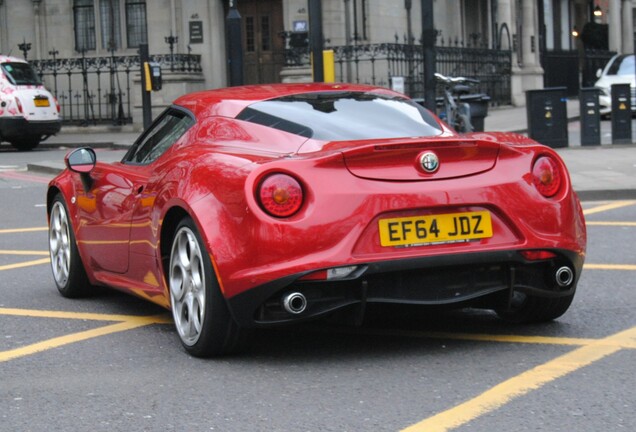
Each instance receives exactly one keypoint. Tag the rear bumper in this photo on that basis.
(19, 127)
(479, 279)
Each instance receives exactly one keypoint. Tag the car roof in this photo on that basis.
(229, 102)
(9, 59)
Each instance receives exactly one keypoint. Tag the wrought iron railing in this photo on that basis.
(377, 64)
(493, 69)
(97, 90)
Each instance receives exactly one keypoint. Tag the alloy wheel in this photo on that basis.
(187, 286)
(59, 244)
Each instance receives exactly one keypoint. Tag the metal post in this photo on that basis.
(171, 41)
(234, 45)
(347, 17)
(145, 95)
(428, 47)
(25, 47)
(54, 53)
(408, 4)
(590, 116)
(316, 39)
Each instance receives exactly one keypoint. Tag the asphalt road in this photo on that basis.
(112, 362)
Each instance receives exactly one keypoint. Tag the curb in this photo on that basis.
(51, 168)
(96, 145)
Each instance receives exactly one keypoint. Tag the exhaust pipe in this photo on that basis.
(295, 303)
(564, 276)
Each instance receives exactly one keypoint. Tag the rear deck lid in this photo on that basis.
(425, 160)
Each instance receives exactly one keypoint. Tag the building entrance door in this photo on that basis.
(263, 47)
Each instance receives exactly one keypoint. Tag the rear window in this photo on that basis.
(339, 116)
(20, 74)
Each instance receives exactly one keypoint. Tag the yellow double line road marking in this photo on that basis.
(628, 267)
(607, 207)
(22, 230)
(126, 322)
(526, 382)
(25, 264)
(613, 224)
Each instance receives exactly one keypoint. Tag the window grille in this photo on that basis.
(250, 34)
(266, 38)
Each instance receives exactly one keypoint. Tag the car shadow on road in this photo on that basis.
(386, 332)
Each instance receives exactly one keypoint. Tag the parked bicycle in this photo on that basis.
(454, 112)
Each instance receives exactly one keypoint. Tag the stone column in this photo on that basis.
(614, 21)
(628, 27)
(506, 15)
(530, 73)
(530, 39)
(36, 20)
(3, 27)
(216, 54)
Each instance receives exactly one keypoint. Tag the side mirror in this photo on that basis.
(81, 160)
(598, 73)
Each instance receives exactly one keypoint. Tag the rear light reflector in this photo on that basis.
(547, 176)
(280, 195)
(320, 275)
(335, 273)
(538, 255)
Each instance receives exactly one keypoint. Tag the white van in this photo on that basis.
(28, 112)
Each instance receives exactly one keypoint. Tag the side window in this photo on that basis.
(160, 137)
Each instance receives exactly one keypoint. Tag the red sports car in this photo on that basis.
(264, 205)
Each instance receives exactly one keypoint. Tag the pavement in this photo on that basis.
(602, 172)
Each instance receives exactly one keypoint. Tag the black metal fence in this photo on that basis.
(561, 69)
(594, 60)
(97, 90)
(493, 69)
(573, 69)
(379, 64)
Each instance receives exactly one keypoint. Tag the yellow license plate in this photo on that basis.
(444, 228)
(42, 103)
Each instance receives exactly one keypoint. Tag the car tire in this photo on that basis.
(201, 315)
(531, 309)
(68, 270)
(26, 143)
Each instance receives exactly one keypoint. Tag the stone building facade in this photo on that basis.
(102, 28)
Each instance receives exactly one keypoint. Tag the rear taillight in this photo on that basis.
(19, 105)
(547, 176)
(280, 195)
(57, 105)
